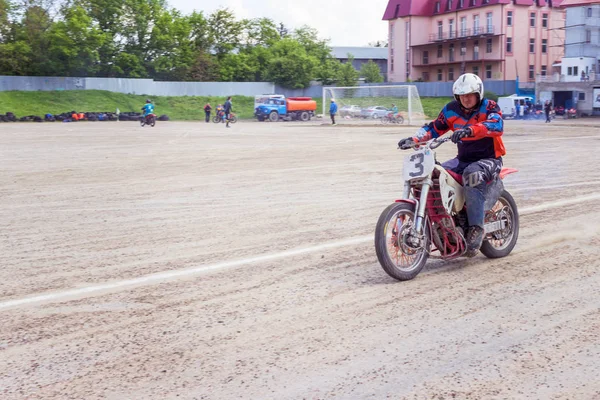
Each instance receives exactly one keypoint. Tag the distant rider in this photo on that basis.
(148, 108)
(478, 127)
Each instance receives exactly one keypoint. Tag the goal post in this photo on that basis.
(368, 104)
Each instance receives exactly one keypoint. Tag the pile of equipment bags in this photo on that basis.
(74, 116)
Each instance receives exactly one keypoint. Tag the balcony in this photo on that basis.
(463, 34)
(435, 62)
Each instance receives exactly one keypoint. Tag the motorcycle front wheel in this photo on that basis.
(397, 260)
(501, 243)
(142, 122)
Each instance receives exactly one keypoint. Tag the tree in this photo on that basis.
(348, 76)
(327, 72)
(73, 44)
(224, 31)
(259, 32)
(283, 31)
(203, 69)
(371, 72)
(291, 66)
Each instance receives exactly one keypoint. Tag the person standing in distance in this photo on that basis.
(227, 108)
(207, 110)
(332, 111)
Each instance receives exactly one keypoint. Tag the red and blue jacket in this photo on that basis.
(486, 126)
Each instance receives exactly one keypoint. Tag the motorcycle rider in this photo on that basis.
(148, 108)
(478, 127)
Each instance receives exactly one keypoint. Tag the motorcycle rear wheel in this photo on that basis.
(497, 248)
(394, 261)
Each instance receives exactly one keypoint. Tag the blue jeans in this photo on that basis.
(476, 175)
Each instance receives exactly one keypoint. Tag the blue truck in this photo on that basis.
(276, 107)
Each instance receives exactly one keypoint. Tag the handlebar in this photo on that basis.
(433, 143)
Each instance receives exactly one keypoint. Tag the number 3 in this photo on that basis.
(418, 165)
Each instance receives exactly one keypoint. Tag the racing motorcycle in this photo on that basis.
(150, 119)
(430, 219)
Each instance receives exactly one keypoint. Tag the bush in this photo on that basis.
(490, 95)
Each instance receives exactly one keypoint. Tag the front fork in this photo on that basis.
(421, 204)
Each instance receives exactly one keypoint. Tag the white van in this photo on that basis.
(507, 104)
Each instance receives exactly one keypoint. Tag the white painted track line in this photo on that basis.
(166, 276)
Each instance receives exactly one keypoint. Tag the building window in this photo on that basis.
(582, 96)
(576, 71)
(476, 50)
(440, 75)
(488, 72)
(426, 76)
(451, 26)
(472, 3)
(544, 20)
(532, 45)
(490, 27)
(463, 26)
(426, 57)
(589, 12)
(509, 45)
(588, 36)
(451, 52)
(475, 24)
(463, 48)
(532, 20)
(531, 72)
(437, 7)
(440, 30)
(440, 52)
(544, 70)
(570, 71)
(488, 46)
(460, 4)
(449, 5)
(476, 70)
(509, 17)
(450, 74)
(544, 46)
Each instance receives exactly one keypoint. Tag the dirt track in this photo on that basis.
(291, 303)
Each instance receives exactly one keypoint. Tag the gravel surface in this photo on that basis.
(192, 261)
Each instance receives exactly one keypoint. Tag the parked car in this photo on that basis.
(374, 112)
(352, 111)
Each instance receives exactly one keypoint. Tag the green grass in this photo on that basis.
(176, 107)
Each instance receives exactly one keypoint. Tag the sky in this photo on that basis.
(346, 23)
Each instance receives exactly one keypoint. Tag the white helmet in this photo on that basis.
(466, 84)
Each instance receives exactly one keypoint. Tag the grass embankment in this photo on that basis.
(180, 108)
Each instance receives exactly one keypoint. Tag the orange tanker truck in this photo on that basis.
(275, 107)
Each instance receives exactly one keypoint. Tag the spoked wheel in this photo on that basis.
(152, 121)
(142, 122)
(500, 244)
(399, 119)
(232, 119)
(216, 119)
(398, 259)
(385, 120)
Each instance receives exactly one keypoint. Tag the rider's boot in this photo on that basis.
(474, 240)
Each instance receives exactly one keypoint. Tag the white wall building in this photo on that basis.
(582, 40)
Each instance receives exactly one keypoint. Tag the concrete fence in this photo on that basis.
(153, 88)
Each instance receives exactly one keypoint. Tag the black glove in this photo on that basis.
(459, 134)
(406, 144)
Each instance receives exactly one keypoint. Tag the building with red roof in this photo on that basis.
(437, 40)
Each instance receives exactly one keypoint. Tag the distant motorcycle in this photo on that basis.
(220, 117)
(392, 119)
(150, 119)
